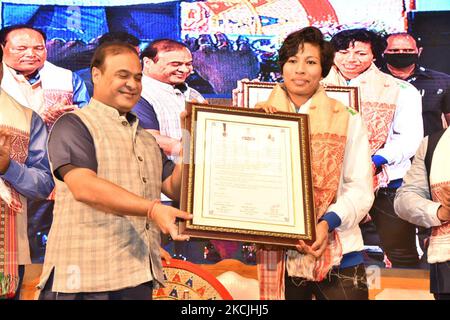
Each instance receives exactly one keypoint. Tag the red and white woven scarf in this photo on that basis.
(379, 92)
(328, 122)
(439, 248)
(11, 204)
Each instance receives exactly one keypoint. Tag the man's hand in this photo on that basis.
(52, 114)
(319, 246)
(197, 101)
(176, 149)
(170, 146)
(5, 149)
(164, 216)
(443, 212)
(165, 255)
(183, 115)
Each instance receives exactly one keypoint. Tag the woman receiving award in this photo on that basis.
(332, 266)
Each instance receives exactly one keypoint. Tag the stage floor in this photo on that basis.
(384, 284)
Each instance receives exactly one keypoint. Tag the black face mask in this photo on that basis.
(401, 60)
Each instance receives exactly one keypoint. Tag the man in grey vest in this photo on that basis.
(105, 236)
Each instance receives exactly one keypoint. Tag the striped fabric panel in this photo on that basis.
(270, 267)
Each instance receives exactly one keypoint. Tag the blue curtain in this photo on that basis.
(85, 24)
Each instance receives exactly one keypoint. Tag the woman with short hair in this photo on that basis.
(332, 267)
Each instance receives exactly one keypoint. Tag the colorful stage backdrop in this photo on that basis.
(218, 32)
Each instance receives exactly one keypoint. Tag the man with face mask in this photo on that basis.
(401, 56)
(391, 109)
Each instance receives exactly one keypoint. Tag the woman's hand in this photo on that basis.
(267, 108)
(319, 246)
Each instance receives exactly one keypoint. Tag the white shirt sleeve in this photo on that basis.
(406, 130)
(355, 193)
(412, 200)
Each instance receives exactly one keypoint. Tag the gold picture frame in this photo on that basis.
(247, 176)
(254, 91)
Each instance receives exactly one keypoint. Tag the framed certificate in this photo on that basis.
(247, 176)
(254, 92)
